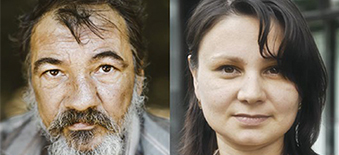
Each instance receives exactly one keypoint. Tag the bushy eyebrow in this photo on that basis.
(47, 60)
(110, 54)
(102, 55)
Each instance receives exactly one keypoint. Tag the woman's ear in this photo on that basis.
(194, 74)
(190, 65)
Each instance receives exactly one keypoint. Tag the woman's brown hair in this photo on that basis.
(298, 59)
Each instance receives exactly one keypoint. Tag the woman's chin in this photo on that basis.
(252, 140)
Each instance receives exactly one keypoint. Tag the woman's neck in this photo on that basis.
(229, 148)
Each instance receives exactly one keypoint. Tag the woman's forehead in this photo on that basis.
(240, 33)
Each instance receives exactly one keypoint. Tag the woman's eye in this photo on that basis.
(229, 69)
(106, 68)
(273, 70)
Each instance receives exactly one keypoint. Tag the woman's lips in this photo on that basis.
(81, 126)
(251, 120)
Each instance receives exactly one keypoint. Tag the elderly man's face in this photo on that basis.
(97, 74)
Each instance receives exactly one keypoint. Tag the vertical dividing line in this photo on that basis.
(330, 38)
(176, 75)
(330, 30)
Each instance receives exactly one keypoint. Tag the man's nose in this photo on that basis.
(252, 90)
(83, 94)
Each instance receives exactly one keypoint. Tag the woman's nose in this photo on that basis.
(252, 90)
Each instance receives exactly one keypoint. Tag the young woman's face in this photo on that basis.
(244, 97)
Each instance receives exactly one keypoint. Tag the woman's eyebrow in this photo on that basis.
(239, 60)
(228, 58)
(46, 60)
(269, 60)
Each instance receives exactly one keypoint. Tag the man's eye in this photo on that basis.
(53, 72)
(273, 70)
(106, 68)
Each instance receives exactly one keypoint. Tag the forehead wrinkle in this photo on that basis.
(86, 35)
(106, 22)
(41, 32)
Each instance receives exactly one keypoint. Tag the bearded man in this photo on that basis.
(85, 71)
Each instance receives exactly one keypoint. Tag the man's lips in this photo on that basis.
(251, 120)
(80, 126)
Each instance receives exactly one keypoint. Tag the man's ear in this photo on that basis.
(140, 81)
(194, 74)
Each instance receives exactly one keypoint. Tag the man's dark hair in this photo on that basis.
(298, 58)
(75, 15)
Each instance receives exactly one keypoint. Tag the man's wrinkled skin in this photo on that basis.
(97, 73)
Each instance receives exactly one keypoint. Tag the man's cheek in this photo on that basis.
(49, 104)
(116, 99)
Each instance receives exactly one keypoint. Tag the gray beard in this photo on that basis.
(112, 144)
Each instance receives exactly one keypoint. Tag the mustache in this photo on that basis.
(89, 116)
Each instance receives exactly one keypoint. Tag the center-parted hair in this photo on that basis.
(298, 59)
(74, 14)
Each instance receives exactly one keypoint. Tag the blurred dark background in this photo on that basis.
(157, 73)
(323, 19)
